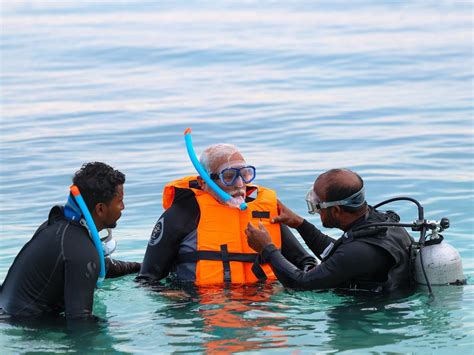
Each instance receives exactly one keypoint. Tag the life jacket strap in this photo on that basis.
(225, 263)
(195, 256)
(226, 258)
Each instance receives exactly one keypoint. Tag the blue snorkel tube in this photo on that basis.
(93, 230)
(228, 199)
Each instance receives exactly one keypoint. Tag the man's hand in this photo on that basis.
(259, 238)
(287, 216)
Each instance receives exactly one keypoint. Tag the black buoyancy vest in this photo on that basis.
(395, 240)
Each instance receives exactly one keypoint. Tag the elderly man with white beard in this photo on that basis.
(200, 239)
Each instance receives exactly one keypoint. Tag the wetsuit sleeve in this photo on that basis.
(314, 238)
(293, 251)
(350, 261)
(117, 268)
(162, 250)
(81, 270)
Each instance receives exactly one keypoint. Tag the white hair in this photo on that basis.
(215, 153)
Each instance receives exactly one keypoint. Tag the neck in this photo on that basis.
(97, 223)
(352, 218)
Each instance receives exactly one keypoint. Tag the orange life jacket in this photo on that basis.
(223, 254)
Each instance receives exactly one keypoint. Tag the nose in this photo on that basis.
(239, 182)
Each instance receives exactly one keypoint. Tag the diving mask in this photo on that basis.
(109, 244)
(315, 205)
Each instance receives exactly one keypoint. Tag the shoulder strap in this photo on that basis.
(351, 235)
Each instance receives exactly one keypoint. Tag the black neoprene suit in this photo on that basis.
(56, 271)
(350, 261)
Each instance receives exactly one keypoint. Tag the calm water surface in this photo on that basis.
(384, 89)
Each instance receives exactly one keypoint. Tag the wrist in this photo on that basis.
(268, 250)
(299, 221)
(296, 222)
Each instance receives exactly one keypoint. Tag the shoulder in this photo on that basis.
(184, 206)
(56, 216)
(358, 255)
(75, 239)
(182, 216)
(182, 194)
(358, 248)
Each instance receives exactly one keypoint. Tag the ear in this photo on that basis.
(100, 209)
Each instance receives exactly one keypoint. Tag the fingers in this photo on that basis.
(250, 226)
(281, 209)
(251, 230)
(278, 219)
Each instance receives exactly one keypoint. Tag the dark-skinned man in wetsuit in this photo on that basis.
(374, 259)
(200, 239)
(57, 270)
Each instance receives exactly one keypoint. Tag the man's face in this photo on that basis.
(238, 188)
(113, 210)
(326, 215)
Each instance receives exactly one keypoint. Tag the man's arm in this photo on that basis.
(350, 261)
(314, 238)
(294, 252)
(117, 268)
(162, 250)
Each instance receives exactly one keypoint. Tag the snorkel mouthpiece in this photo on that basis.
(229, 200)
(109, 244)
(93, 230)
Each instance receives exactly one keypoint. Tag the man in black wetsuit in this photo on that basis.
(375, 259)
(200, 239)
(57, 270)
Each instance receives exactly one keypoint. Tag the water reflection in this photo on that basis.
(358, 322)
(225, 320)
(362, 317)
(57, 335)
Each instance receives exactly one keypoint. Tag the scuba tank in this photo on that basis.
(435, 261)
(441, 261)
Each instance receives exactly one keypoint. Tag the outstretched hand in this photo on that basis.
(287, 216)
(257, 238)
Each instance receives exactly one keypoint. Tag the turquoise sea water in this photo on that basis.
(299, 87)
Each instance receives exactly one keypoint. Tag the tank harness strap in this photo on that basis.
(332, 248)
(257, 269)
(225, 262)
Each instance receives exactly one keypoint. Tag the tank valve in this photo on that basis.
(444, 224)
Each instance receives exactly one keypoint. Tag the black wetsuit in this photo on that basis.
(180, 221)
(56, 271)
(376, 260)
